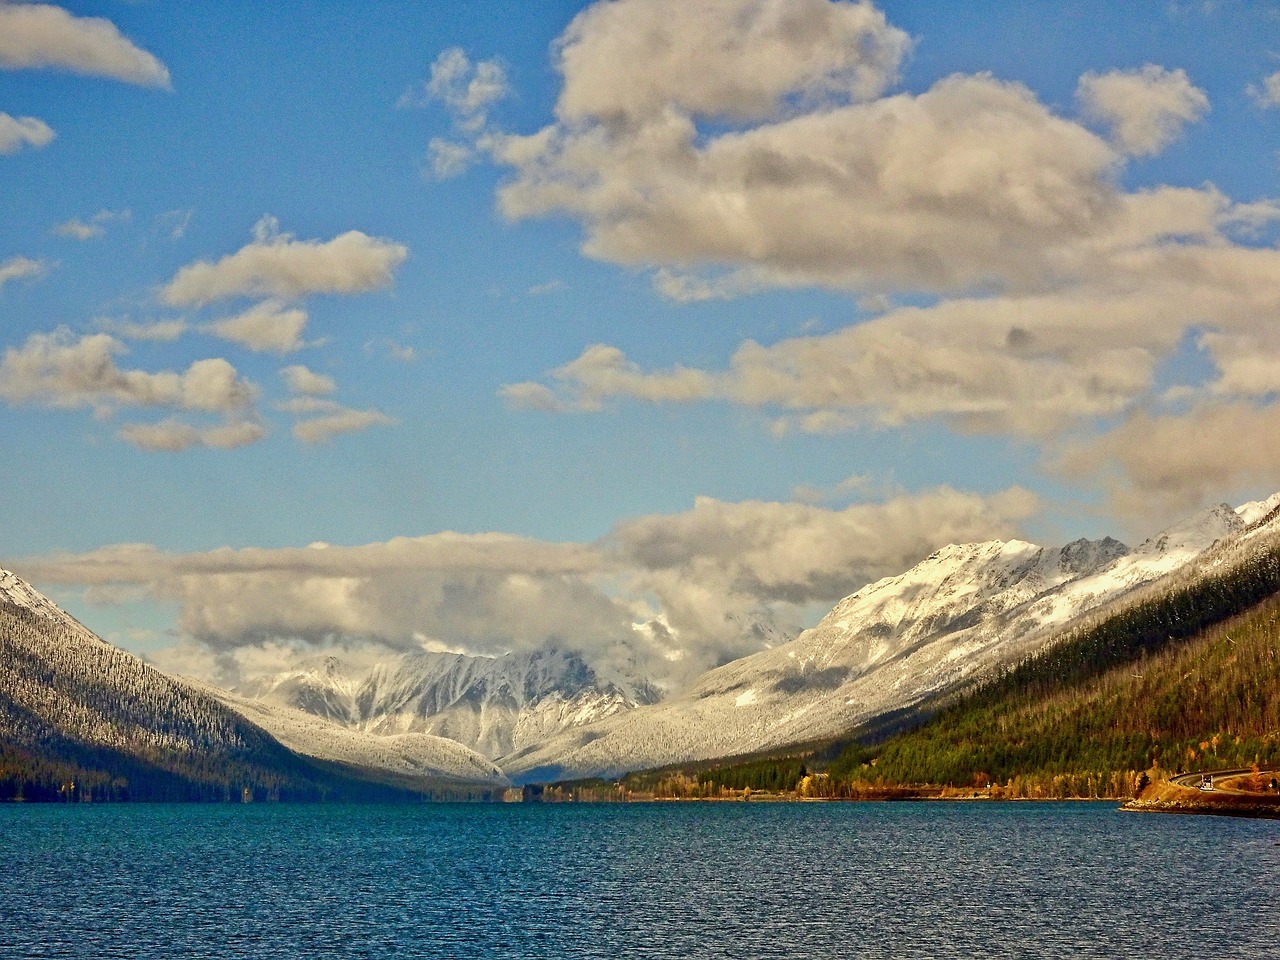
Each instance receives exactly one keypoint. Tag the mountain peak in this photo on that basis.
(1196, 533)
(1257, 510)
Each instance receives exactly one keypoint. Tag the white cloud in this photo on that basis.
(1145, 109)
(159, 331)
(534, 396)
(301, 380)
(633, 60)
(1158, 467)
(448, 158)
(467, 89)
(1033, 364)
(1046, 298)
(175, 436)
(79, 230)
(1267, 93)
(712, 571)
(603, 372)
(715, 564)
(319, 419)
(905, 192)
(276, 265)
(267, 327)
(94, 227)
(336, 420)
(19, 132)
(58, 370)
(36, 35)
(746, 144)
(21, 268)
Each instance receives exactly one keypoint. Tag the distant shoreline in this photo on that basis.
(1166, 797)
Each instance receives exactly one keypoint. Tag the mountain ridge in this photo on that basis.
(961, 611)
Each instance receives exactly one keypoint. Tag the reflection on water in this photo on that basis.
(902, 880)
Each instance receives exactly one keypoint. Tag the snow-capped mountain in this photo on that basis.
(493, 705)
(16, 592)
(955, 615)
(69, 701)
(69, 698)
(410, 754)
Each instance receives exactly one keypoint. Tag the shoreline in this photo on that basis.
(1166, 797)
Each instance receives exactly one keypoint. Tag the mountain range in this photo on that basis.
(964, 613)
(81, 717)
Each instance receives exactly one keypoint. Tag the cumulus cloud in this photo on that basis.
(449, 158)
(59, 370)
(34, 35)
(904, 192)
(21, 268)
(602, 372)
(1267, 93)
(301, 380)
(275, 265)
(319, 419)
(490, 592)
(753, 139)
(1158, 467)
(708, 578)
(19, 132)
(467, 90)
(267, 327)
(725, 59)
(175, 436)
(1145, 109)
(1033, 365)
(1045, 298)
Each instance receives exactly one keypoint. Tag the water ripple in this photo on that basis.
(900, 881)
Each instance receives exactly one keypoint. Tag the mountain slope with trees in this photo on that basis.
(1183, 676)
(83, 720)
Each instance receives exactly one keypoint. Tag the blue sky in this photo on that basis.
(615, 324)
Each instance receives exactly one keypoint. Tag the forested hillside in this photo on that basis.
(1180, 681)
(1185, 678)
(80, 719)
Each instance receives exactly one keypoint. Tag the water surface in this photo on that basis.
(888, 880)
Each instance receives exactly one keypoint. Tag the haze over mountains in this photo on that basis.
(958, 615)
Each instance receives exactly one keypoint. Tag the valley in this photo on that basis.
(1002, 661)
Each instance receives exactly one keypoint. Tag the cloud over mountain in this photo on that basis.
(704, 575)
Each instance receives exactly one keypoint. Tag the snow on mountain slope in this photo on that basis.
(493, 705)
(60, 682)
(63, 689)
(414, 754)
(16, 591)
(1257, 510)
(958, 613)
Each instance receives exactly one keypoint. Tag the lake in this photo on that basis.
(742, 880)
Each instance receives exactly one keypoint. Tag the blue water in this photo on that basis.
(901, 880)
